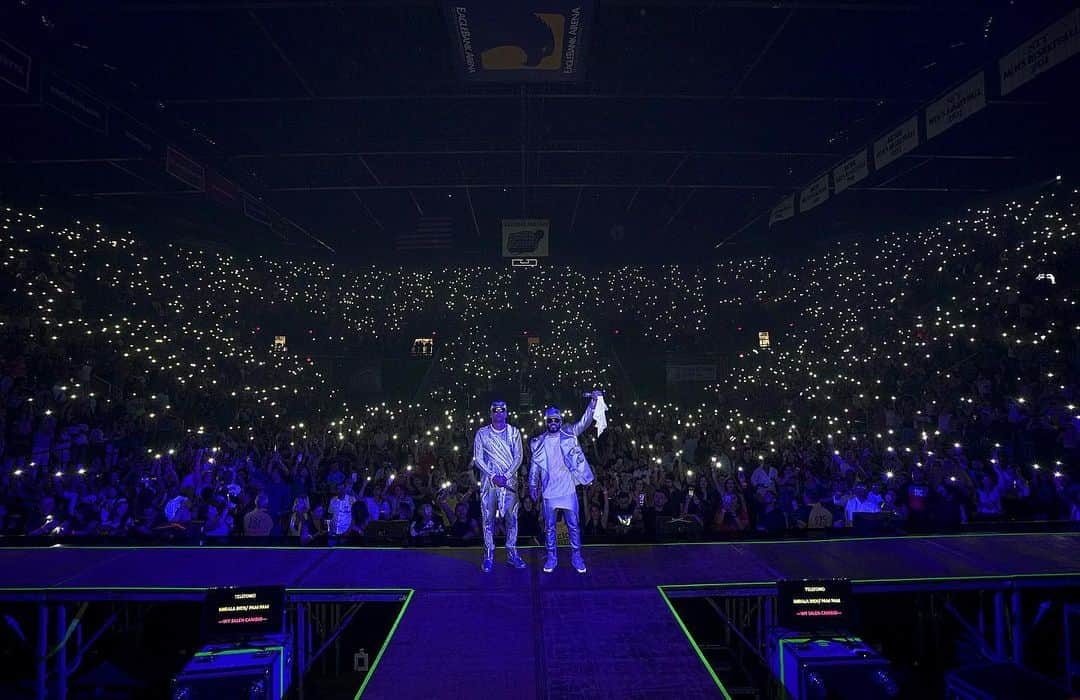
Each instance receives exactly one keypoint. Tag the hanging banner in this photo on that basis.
(68, 98)
(815, 193)
(525, 238)
(956, 105)
(185, 169)
(134, 134)
(256, 210)
(524, 40)
(1041, 52)
(14, 67)
(784, 210)
(222, 190)
(903, 139)
(850, 171)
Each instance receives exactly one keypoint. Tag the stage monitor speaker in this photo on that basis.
(811, 667)
(677, 528)
(258, 670)
(387, 532)
(874, 523)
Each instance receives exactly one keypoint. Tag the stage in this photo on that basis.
(608, 633)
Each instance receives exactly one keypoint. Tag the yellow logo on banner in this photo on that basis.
(516, 57)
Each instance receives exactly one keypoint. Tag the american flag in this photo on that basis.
(431, 233)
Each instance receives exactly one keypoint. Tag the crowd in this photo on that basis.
(921, 381)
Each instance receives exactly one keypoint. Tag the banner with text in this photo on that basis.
(255, 210)
(903, 139)
(526, 40)
(784, 210)
(956, 105)
(850, 172)
(14, 67)
(185, 169)
(135, 136)
(222, 190)
(815, 193)
(74, 101)
(525, 238)
(1041, 52)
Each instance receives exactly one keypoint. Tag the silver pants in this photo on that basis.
(495, 499)
(571, 517)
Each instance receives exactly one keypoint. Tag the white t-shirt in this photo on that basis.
(341, 512)
(764, 476)
(559, 482)
(855, 505)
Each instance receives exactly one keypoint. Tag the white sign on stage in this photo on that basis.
(850, 171)
(1041, 52)
(903, 139)
(956, 105)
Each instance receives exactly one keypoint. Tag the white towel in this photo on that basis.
(600, 416)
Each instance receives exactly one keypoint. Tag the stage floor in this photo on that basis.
(523, 634)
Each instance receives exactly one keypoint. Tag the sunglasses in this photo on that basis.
(498, 409)
(554, 420)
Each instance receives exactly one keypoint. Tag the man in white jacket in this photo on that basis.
(558, 467)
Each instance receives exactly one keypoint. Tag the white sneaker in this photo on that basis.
(550, 564)
(577, 562)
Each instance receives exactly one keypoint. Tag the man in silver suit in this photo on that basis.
(558, 467)
(497, 453)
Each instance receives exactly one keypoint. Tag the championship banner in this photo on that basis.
(682, 374)
(815, 193)
(68, 98)
(522, 40)
(903, 139)
(956, 105)
(185, 169)
(525, 238)
(850, 172)
(14, 67)
(784, 210)
(1041, 52)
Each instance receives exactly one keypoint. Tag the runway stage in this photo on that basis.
(525, 634)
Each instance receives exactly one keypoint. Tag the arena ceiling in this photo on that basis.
(693, 119)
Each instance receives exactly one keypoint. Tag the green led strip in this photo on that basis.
(916, 579)
(670, 586)
(200, 589)
(799, 640)
(231, 652)
(697, 649)
(728, 543)
(827, 540)
(708, 666)
(382, 649)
